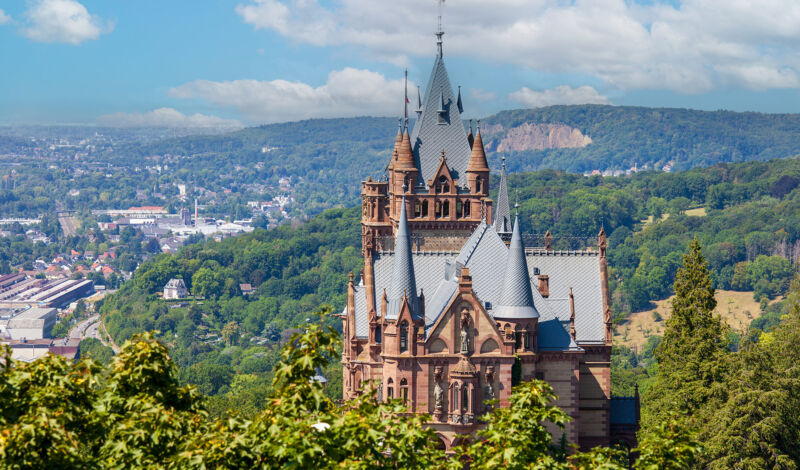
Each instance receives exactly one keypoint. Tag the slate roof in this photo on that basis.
(484, 253)
(517, 299)
(502, 210)
(403, 282)
(581, 271)
(435, 131)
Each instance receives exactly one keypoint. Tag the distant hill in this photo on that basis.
(622, 136)
(331, 156)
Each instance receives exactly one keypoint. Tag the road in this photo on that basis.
(92, 327)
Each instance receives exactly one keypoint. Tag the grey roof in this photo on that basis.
(502, 210)
(581, 271)
(517, 298)
(403, 279)
(485, 254)
(434, 131)
(175, 283)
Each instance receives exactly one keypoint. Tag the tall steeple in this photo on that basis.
(403, 284)
(517, 299)
(502, 217)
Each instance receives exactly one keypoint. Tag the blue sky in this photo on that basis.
(232, 62)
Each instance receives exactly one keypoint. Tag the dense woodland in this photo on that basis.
(227, 343)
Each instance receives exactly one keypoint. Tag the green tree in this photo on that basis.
(691, 355)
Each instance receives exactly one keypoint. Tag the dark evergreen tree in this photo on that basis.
(691, 356)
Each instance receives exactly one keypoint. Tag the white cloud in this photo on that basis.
(166, 117)
(4, 18)
(63, 21)
(559, 95)
(689, 47)
(347, 92)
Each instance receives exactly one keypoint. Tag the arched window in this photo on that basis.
(518, 338)
(456, 396)
(378, 334)
(478, 185)
(438, 209)
(404, 336)
(466, 208)
(424, 208)
(390, 389)
(459, 209)
(404, 390)
(464, 398)
(446, 209)
(417, 209)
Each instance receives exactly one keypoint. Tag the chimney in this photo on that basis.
(544, 285)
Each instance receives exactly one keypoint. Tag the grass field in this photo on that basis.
(737, 309)
(697, 212)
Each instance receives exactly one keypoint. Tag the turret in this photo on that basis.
(516, 302)
(478, 168)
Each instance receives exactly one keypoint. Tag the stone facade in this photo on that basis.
(451, 345)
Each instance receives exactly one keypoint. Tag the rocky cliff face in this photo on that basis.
(530, 136)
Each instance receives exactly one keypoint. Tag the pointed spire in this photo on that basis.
(403, 285)
(397, 140)
(477, 159)
(502, 219)
(470, 137)
(405, 156)
(517, 298)
(458, 101)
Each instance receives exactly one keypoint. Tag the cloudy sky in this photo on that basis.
(244, 62)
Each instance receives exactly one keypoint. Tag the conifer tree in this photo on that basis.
(691, 356)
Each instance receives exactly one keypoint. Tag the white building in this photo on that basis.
(175, 289)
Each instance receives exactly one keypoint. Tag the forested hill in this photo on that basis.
(622, 136)
(331, 156)
(745, 215)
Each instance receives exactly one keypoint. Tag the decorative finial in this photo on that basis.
(439, 31)
(479, 126)
(504, 162)
(443, 157)
(470, 125)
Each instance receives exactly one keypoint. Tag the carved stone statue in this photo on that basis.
(464, 333)
(438, 396)
(488, 391)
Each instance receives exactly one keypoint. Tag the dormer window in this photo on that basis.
(478, 185)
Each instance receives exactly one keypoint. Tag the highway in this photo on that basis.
(91, 328)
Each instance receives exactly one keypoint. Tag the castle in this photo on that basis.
(452, 308)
